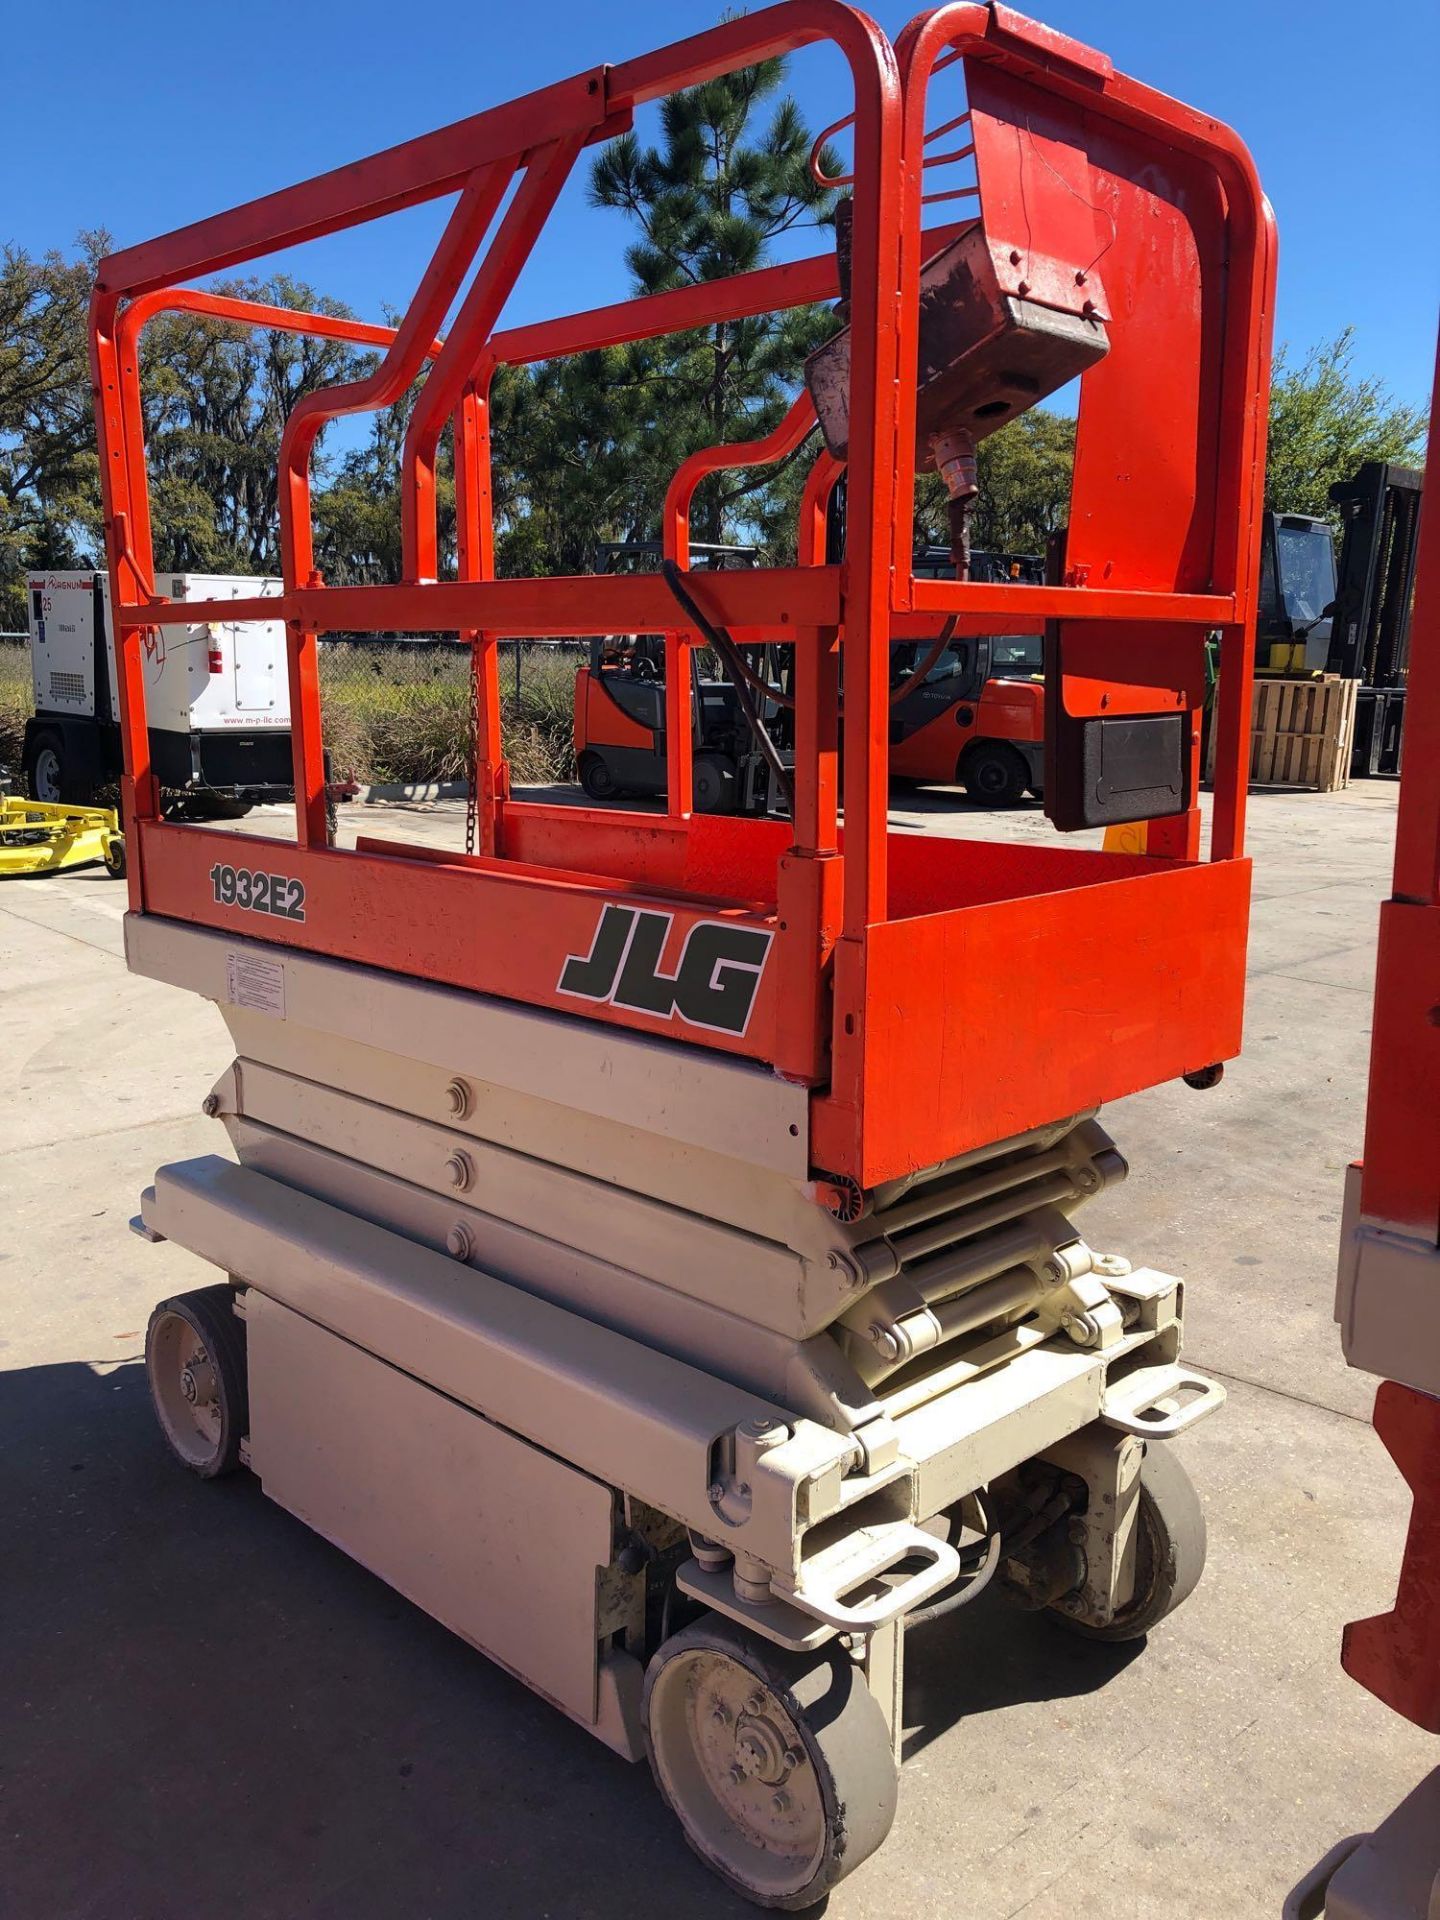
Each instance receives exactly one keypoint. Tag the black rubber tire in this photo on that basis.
(993, 774)
(115, 857)
(210, 1311)
(1170, 1550)
(69, 791)
(846, 1741)
(219, 806)
(714, 783)
(596, 778)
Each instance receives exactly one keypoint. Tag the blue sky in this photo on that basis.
(214, 104)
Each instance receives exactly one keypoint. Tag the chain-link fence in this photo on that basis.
(396, 708)
(399, 709)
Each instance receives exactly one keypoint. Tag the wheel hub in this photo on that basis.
(753, 1761)
(187, 1389)
(197, 1380)
(779, 1769)
(47, 775)
(761, 1752)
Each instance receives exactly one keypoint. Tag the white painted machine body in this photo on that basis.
(197, 678)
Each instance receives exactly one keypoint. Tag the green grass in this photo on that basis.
(402, 714)
(396, 713)
(16, 706)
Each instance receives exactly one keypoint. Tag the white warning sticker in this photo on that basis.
(253, 981)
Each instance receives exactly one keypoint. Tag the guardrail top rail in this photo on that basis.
(934, 995)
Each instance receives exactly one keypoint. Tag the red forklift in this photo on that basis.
(973, 717)
(977, 717)
(620, 704)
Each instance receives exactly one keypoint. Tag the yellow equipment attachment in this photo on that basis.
(37, 836)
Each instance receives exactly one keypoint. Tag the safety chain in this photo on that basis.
(472, 796)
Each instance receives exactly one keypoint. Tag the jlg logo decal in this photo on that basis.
(713, 986)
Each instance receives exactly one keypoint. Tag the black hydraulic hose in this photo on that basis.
(735, 666)
(898, 692)
(964, 1591)
(743, 679)
(998, 1545)
(782, 699)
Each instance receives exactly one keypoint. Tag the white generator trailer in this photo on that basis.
(217, 696)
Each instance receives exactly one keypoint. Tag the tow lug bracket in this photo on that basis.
(1157, 1402)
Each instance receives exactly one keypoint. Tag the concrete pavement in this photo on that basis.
(209, 1709)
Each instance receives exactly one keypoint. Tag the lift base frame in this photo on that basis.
(568, 1394)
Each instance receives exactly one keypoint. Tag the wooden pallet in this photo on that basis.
(1301, 733)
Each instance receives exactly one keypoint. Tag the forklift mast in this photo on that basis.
(1380, 518)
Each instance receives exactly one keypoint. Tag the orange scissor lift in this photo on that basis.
(650, 1246)
(1388, 1298)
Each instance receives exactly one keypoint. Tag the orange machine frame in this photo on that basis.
(1397, 1654)
(935, 996)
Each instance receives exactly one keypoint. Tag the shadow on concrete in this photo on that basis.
(989, 1656)
(905, 798)
(209, 1709)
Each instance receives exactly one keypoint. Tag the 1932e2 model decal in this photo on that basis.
(714, 984)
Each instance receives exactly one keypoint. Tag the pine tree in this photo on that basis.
(588, 445)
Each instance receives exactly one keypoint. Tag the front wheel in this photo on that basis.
(714, 783)
(195, 1364)
(596, 778)
(994, 774)
(1169, 1550)
(777, 1765)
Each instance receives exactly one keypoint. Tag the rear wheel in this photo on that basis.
(777, 1765)
(48, 774)
(994, 775)
(1169, 1550)
(195, 1364)
(596, 778)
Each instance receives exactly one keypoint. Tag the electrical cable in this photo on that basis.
(729, 654)
(937, 647)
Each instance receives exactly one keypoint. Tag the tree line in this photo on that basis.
(584, 447)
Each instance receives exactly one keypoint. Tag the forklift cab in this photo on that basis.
(938, 563)
(620, 703)
(1297, 593)
(961, 673)
(630, 667)
(976, 718)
